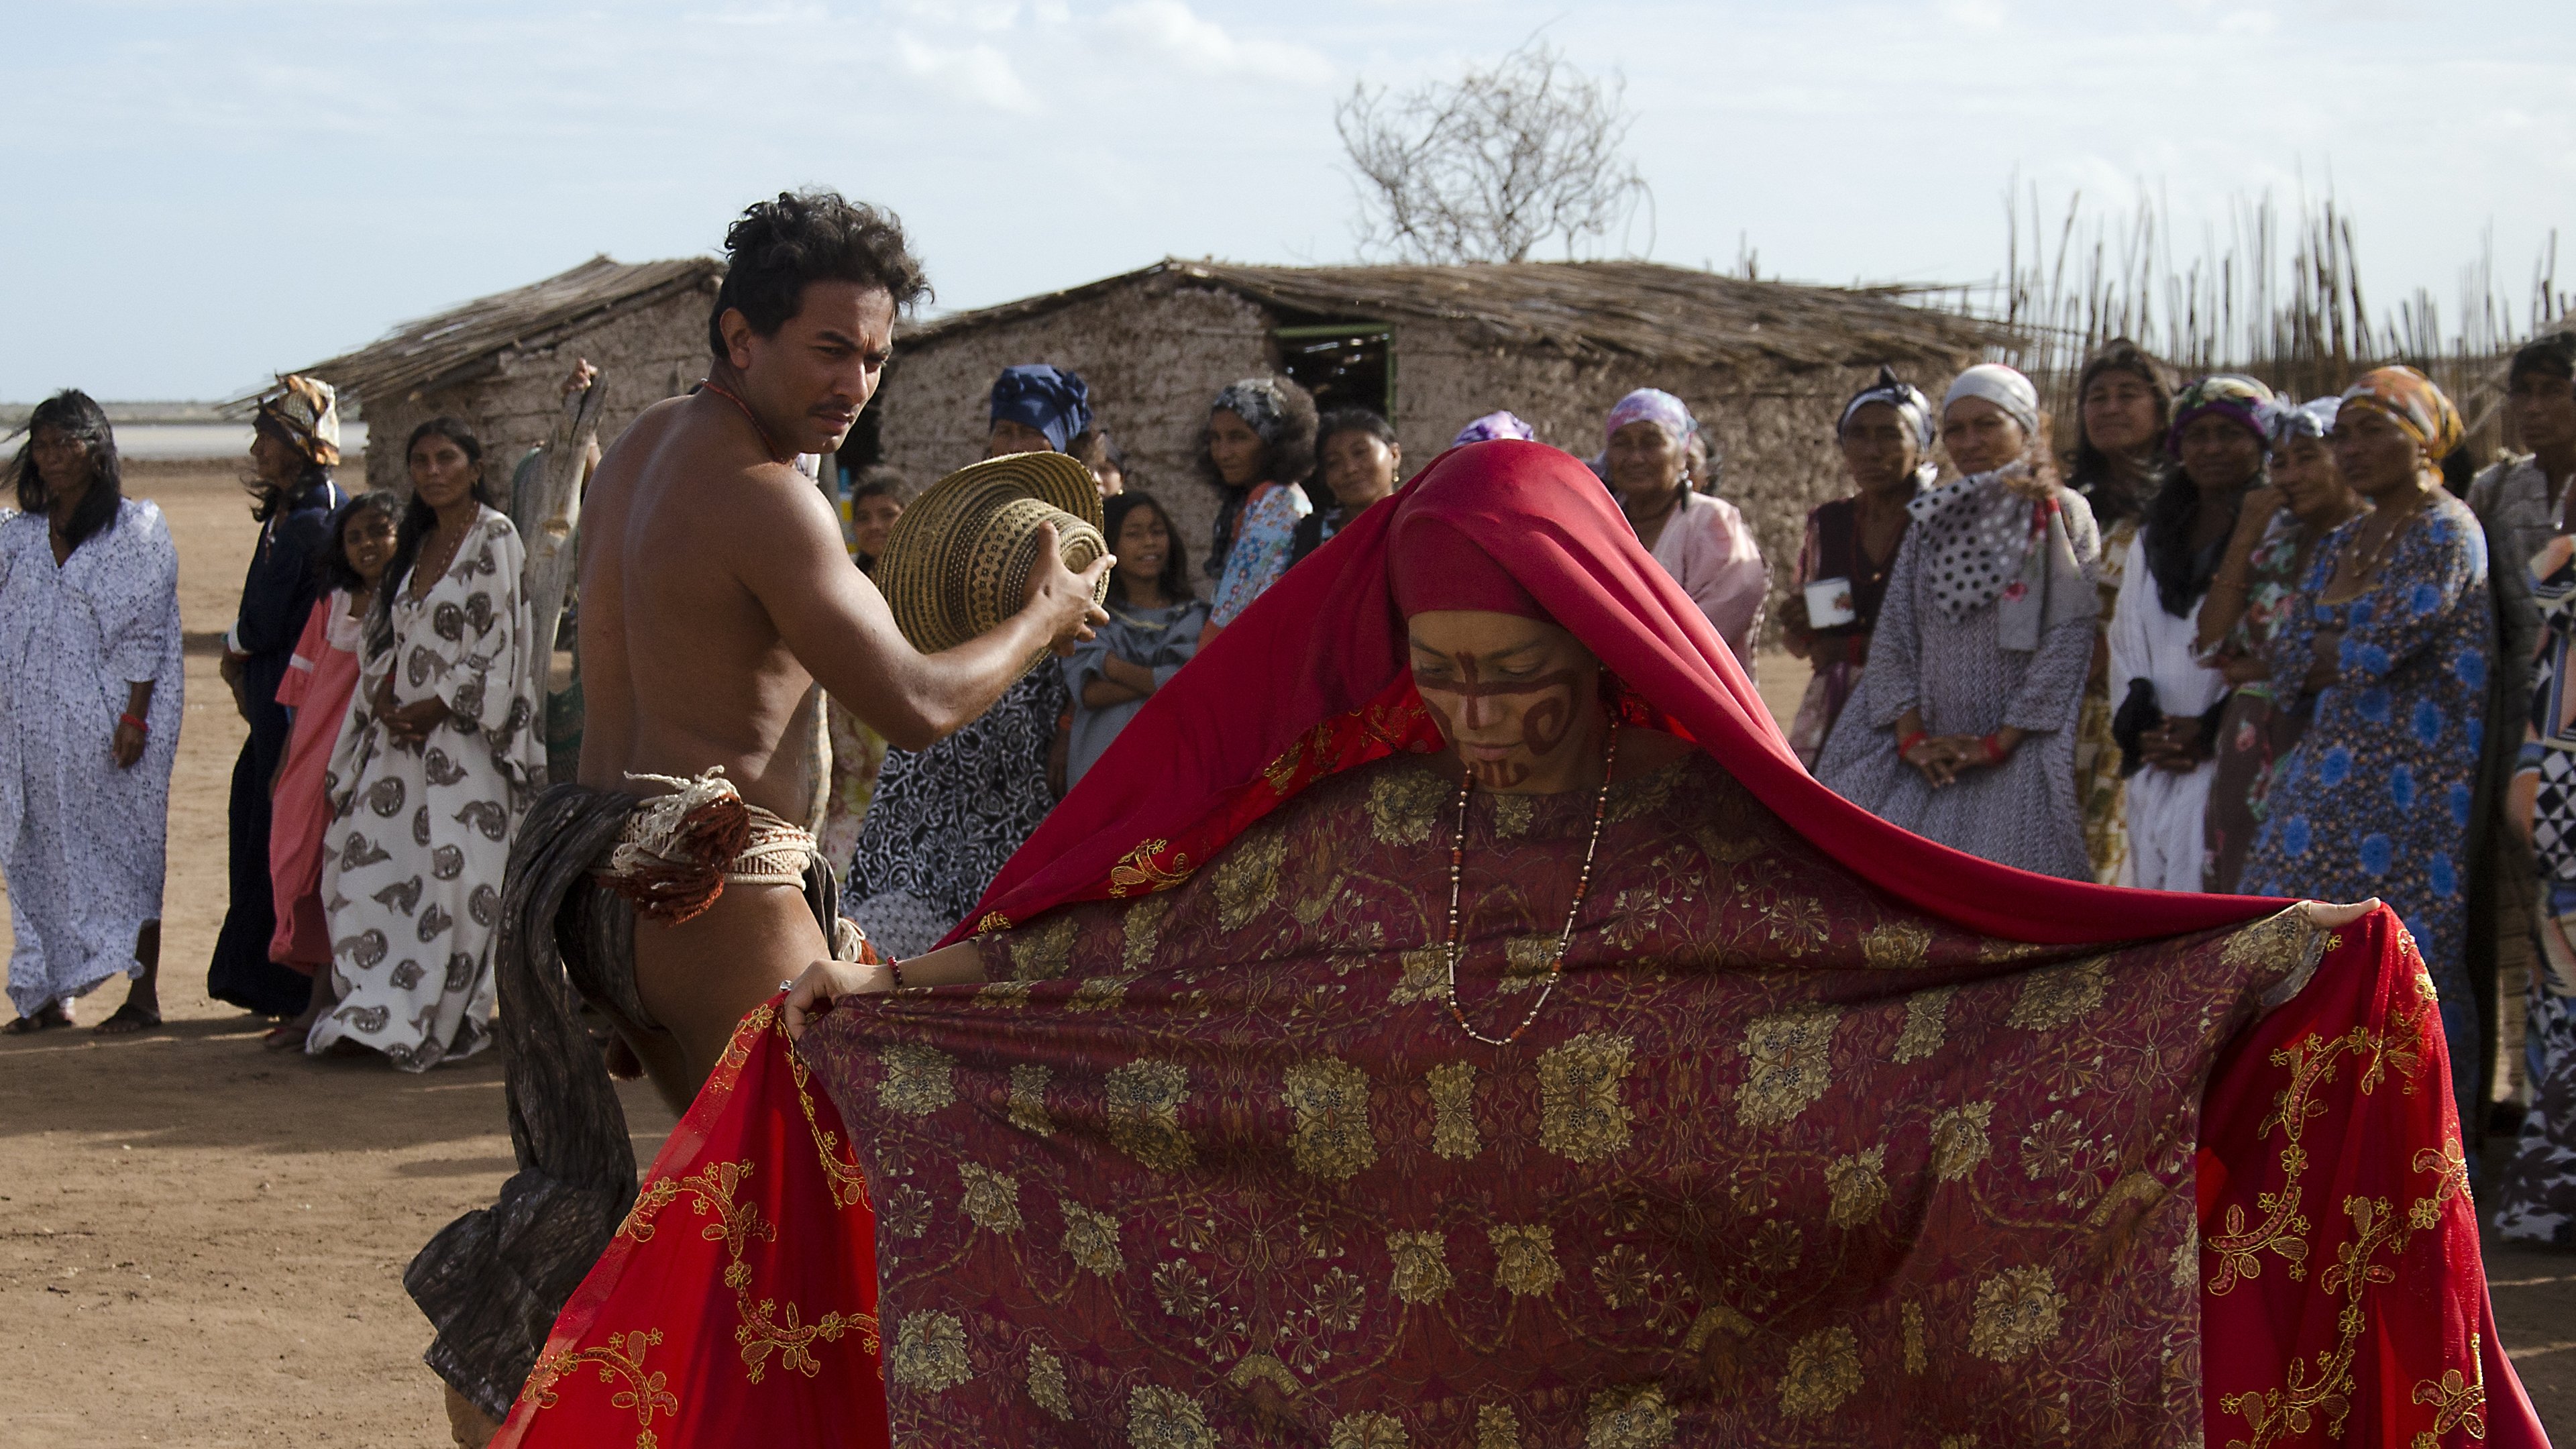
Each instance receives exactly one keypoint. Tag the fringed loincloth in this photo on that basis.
(676, 853)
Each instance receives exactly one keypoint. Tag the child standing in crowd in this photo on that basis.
(319, 682)
(1153, 629)
(1360, 462)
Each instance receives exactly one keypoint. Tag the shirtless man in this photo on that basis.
(715, 593)
(716, 590)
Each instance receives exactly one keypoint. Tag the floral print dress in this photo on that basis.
(2256, 729)
(2376, 798)
(411, 873)
(1264, 545)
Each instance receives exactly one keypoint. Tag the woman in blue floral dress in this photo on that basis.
(2391, 654)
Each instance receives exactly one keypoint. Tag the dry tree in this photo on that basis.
(1494, 165)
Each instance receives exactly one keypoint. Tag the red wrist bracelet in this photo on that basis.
(129, 718)
(895, 970)
(1906, 745)
(1994, 744)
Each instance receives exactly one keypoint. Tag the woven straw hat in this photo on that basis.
(958, 561)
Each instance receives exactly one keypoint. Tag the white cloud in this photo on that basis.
(977, 73)
(1975, 14)
(1173, 29)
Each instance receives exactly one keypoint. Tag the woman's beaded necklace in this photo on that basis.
(1564, 938)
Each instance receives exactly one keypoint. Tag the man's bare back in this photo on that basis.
(716, 592)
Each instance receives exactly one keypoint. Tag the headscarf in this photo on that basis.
(2240, 399)
(2002, 386)
(2285, 422)
(1052, 400)
(1983, 542)
(1314, 679)
(1495, 427)
(2418, 406)
(1652, 405)
(1259, 402)
(1912, 407)
(304, 413)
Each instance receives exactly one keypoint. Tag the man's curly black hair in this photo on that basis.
(775, 247)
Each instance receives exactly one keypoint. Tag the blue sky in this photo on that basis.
(209, 190)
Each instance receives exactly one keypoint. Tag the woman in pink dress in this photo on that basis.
(317, 686)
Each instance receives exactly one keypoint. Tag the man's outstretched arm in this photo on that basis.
(838, 626)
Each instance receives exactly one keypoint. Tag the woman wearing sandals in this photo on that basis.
(89, 722)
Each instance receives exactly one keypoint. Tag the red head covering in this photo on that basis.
(1315, 677)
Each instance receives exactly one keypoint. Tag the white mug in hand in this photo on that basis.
(1829, 603)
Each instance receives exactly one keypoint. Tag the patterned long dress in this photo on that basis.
(2100, 793)
(2376, 799)
(83, 842)
(2536, 1201)
(1264, 545)
(413, 887)
(2255, 731)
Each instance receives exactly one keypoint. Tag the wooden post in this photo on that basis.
(553, 513)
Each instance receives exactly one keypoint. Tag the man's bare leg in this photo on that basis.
(700, 979)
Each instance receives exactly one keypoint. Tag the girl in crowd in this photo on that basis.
(1258, 449)
(89, 722)
(294, 446)
(858, 753)
(2277, 530)
(2124, 399)
(1360, 462)
(1153, 628)
(2167, 697)
(319, 682)
(1963, 728)
(2392, 660)
(1886, 436)
(438, 760)
(1700, 540)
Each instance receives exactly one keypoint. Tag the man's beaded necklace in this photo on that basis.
(1564, 938)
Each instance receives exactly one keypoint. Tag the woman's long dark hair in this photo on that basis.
(419, 518)
(72, 415)
(2182, 574)
(1174, 580)
(2091, 471)
(331, 566)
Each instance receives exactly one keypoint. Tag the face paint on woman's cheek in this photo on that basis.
(1543, 724)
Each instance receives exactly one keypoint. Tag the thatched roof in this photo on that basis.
(467, 342)
(1640, 309)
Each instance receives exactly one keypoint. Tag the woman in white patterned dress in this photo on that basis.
(439, 759)
(89, 722)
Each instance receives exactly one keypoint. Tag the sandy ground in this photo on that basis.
(201, 1243)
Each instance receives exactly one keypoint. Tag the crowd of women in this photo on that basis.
(2231, 642)
(382, 663)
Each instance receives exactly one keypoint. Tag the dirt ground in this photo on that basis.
(201, 1243)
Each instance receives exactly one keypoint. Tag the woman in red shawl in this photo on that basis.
(1483, 1032)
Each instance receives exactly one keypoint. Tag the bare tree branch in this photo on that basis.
(1491, 167)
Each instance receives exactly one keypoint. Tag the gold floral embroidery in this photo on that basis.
(929, 1353)
(1896, 945)
(1581, 1115)
(1329, 1100)
(1624, 1277)
(2018, 1310)
(1046, 1385)
(1788, 1064)
(1028, 1099)
(1712, 1320)
(1367, 1429)
(993, 921)
(1137, 871)
(761, 1333)
(1402, 805)
(1091, 1239)
(1263, 1368)
(1043, 953)
(1143, 924)
(1910, 1319)
(2054, 996)
(1421, 1273)
(1497, 1427)
(1926, 1024)
(1424, 976)
(1513, 816)
(621, 1359)
(918, 1080)
(1453, 1110)
(1098, 993)
(1525, 963)
(1635, 1417)
(2459, 1400)
(990, 1199)
(1525, 1259)
(1824, 1370)
(1003, 995)
(1144, 1109)
(849, 1186)
(1282, 772)
(1247, 875)
(1161, 1418)
(1856, 1187)
(1959, 1140)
